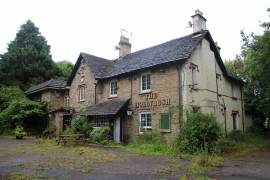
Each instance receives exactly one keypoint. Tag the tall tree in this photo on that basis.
(28, 60)
(65, 68)
(256, 55)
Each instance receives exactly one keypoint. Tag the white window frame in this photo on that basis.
(110, 86)
(148, 89)
(82, 93)
(142, 128)
(98, 123)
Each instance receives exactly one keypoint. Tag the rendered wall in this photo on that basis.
(213, 91)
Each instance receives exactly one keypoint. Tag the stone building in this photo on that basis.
(56, 94)
(152, 88)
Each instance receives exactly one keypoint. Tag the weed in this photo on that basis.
(201, 163)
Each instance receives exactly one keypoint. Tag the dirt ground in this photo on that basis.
(28, 159)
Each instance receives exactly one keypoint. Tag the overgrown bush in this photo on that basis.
(32, 115)
(100, 135)
(199, 133)
(68, 131)
(81, 125)
(151, 142)
(224, 145)
(236, 135)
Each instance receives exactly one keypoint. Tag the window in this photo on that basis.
(113, 88)
(234, 117)
(145, 121)
(233, 92)
(66, 121)
(96, 123)
(165, 122)
(81, 93)
(195, 70)
(146, 83)
(66, 100)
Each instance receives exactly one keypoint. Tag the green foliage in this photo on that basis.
(24, 112)
(256, 55)
(153, 137)
(9, 93)
(65, 68)
(68, 131)
(236, 135)
(28, 60)
(81, 125)
(151, 142)
(200, 132)
(224, 145)
(100, 135)
(202, 162)
(19, 132)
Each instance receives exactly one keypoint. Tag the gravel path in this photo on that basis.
(122, 165)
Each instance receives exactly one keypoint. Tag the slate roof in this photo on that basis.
(110, 107)
(51, 84)
(168, 52)
(176, 50)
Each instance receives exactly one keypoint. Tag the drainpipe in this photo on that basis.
(242, 107)
(225, 117)
(95, 92)
(180, 109)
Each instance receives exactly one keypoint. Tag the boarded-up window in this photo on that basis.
(165, 122)
(234, 117)
(234, 89)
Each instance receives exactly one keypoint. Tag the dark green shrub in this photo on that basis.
(199, 133)
(224, 145)
(32, 115)
(81, 125)
(100, 135)
(68, 131)
(236, 135)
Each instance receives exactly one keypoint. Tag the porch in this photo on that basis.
(111, 113)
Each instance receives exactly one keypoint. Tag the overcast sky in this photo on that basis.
(93, 26)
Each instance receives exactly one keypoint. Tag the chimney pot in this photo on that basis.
(199, 22)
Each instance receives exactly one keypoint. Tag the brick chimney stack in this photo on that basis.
(199, 22)
(124, 46)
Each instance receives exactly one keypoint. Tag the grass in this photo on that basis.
(151, 149)
(21, 176)
(247, 143)
(203, 162)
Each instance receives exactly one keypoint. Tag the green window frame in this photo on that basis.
(165, 122)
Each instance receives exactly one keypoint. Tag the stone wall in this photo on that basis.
(164, 87)
(54, 98)
(88, 80)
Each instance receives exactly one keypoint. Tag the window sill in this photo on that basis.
(81, 101)
(111, 97)
(145, 92)
(165, 130)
